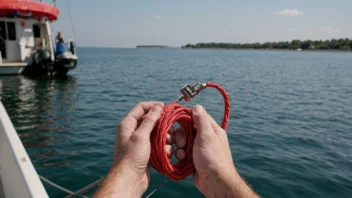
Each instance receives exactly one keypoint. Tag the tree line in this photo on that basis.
(333, 44)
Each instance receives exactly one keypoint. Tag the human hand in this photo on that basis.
(211, 152)
(130, 174)
(215, 174)
(132, 146)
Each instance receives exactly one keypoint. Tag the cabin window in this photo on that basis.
(2, 30)
(36, 31)
(11, 30)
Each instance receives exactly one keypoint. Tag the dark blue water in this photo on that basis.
(290, 129)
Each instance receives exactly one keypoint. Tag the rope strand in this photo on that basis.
(71, 20)
(183, 116)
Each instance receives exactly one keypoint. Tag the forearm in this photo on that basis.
(229, 185)
(120, 182)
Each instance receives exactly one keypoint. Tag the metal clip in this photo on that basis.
(188, 92)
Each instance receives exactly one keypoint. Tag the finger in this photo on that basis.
(148, 123)
(180, 138)
(171, 130)
(170, 139)
(180, 154)
(202, 121)
(169, 149)
(139, 111)
(129, 124)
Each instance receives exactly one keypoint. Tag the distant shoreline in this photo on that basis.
(252, 49)
(294, 45)
(179, 48)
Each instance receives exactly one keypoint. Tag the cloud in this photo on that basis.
(327, 29)
(288, 12)
(156, 17)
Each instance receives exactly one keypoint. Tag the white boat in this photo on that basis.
(26, 43)
(18, 178)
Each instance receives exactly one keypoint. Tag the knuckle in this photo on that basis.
(207, 138)
(121, 126)
(150, 118)
(135, 138)
(219, 131)
(141, 104)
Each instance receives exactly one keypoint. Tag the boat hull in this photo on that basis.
(11, 70)
(58, 68)
(63, 66)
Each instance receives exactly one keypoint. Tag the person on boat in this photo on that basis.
(215, 174)
(60, 44)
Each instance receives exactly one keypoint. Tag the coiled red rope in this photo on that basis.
(183, 116)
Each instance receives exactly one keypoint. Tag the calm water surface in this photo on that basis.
(290, 129)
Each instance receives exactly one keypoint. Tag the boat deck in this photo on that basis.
(12, 67)
(19, 64)
(6, 63)
(13, 64)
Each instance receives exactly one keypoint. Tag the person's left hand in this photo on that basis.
(132, 146)
(130, 173)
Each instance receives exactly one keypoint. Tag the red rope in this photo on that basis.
(183, 116)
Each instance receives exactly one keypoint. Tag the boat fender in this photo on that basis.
(72, 47)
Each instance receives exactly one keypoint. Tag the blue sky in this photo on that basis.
(117, 23)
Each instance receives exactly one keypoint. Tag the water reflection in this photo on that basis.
(40, 111)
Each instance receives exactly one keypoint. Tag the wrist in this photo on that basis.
(228, 183)
(120, 182)
(219, 182)
(130, 181)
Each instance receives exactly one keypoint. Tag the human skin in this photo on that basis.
(215, 175)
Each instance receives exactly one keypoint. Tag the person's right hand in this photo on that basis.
(211, 152)
(215, 174)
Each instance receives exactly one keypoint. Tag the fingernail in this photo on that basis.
(157, 109)
(198, 109)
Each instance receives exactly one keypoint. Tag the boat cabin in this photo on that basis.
(20, 38)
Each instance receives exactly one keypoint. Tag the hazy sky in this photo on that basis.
(117, 23)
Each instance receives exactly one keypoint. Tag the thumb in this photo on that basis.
(202, 121)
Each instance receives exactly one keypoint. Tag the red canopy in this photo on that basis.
(24, 7)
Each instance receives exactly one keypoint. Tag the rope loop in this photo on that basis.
(183, 116)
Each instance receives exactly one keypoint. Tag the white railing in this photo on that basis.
(18, 176)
